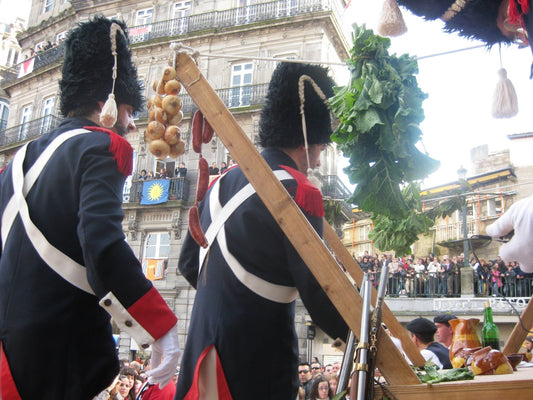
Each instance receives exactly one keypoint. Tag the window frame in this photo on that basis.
(241, 92)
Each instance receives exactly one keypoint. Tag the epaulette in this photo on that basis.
(121, 149)
(308, 196)
(218, 177)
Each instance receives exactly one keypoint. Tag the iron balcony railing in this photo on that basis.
(242, 96)
(227, 18)
(434, 284)
(334, 189)
(28, 130)
(178, 190)
(182, 26)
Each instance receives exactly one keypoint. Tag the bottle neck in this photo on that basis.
(488, 315)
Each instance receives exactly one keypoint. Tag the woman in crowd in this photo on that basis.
(495, 279)
(320, 389)
(333, 382)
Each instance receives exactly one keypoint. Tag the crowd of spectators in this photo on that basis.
(132, 383)
(435, 276)
(317, 381)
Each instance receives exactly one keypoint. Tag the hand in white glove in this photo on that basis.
(165, 356)
(520, 218)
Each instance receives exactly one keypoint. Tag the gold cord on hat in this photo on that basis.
(320, 93)
(109, 113)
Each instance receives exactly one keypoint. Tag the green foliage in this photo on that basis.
(332, 211)
(340, 396)
(379, 112)
(430, 374)
(399, 233)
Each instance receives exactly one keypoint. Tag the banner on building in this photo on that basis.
(155, 192)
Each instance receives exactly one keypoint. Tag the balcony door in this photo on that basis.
(4, 113)
(241, 84)
(25, 117)
(246, 12)
(47, 114)
(286, 8)
(180, 18)
(156, 250)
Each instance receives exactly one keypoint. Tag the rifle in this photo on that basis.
(359, 376)
(375, 331)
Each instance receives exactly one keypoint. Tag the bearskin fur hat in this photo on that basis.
(87, 75)
(476, 20)
(281, 122)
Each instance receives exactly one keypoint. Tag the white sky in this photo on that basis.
(11, 9)
(460, 87)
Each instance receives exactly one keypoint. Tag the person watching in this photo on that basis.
(422, 331)
(444, 332)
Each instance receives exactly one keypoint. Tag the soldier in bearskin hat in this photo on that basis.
(65, 268)
(492, 21)
(242, 342)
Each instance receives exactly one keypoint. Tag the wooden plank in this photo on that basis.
(289, 217)
(516, 386)
(389, 319)
(518, 335)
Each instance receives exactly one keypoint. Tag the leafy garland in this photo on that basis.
(379, 114)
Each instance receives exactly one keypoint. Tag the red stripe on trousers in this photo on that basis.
(222, 385)
(8, 390)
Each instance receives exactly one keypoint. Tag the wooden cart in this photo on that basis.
(400, 377)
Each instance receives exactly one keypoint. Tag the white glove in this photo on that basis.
(520, 218)
(165, 356)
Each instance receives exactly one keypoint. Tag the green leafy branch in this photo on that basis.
(379, 112)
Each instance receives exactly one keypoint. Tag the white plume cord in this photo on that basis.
(320, 93)
(109, 112)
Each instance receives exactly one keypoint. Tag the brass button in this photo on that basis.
(107, 302)
(128, 323)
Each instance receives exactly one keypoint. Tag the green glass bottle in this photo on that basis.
(490, 334)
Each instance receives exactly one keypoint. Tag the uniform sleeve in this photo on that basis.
(188, 261)
(113, 271)
(316, 301)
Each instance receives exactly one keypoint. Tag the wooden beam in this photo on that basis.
(289, 217)
(355, 271)
(519, 334)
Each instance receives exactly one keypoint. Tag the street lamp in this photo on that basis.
(461, 174)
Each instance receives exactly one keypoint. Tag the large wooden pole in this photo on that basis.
(355, 271)
(519, 333)
(289, 217)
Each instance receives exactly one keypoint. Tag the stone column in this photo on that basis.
(467, 282)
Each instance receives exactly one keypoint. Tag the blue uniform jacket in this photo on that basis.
(254, 337)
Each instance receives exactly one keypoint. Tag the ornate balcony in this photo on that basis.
(28, 131)
(213, 21)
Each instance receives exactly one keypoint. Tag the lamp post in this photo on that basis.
(311, 332)
(466, 273)
(461, 174)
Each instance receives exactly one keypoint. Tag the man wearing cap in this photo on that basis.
(247, 281)
(63, 260)
(444, 332)
(421, 331)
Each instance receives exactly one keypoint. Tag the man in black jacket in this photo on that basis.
(247, 281)
(65, 268)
